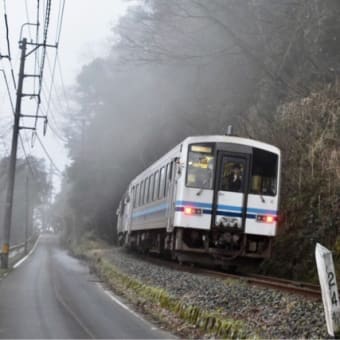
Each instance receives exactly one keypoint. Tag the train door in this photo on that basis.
(230, 197)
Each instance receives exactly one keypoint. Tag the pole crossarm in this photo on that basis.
(37, 45)
(26, 128)
(34, 116)
(30, 95)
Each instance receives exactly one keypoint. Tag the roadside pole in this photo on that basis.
(12, 162)
(329, 289)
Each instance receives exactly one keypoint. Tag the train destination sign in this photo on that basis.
(329, 289)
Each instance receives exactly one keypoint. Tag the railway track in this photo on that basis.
(302, 288)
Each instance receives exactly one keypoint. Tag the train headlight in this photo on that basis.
(266, 218)
(192, 211)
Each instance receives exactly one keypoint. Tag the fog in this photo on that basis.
(181, 68)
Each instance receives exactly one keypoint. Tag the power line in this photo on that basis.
(36, 54)
(54, 130)
(7, 35)
(60, 20)
(8, 91)
(10, 127)
(56, 134)
(52, 80)
(58, 33)
(57, 95)
(62, 83)
(42, 64)
(26, 156)
(9, 57)
(48, 155)
(53, 70)
(28, 20)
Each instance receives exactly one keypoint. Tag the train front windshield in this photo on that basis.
(262, 175)
(200, 166)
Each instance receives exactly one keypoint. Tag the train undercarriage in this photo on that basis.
(214, 247)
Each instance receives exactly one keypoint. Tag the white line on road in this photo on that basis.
(118, 302)
(121, 304)
(17, 264)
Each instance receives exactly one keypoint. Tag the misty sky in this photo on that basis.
(86, 33)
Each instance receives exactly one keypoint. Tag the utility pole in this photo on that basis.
(17, 115)
(26, 212)
(12, 162)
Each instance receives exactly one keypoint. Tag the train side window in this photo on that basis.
(139, 193)
(152, 183)
(135, 198)
(141, 190)
(167, 179)
(146, 189)
(156, 187)
(134, 191)
(171, 170)
(162, 183)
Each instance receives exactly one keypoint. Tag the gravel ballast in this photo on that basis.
(269, 313)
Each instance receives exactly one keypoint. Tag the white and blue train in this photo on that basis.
(209, 198)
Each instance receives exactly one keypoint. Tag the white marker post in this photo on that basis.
(329, 289)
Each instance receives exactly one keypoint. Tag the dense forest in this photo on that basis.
(176, 68)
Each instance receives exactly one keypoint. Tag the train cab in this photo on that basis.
(227, 200)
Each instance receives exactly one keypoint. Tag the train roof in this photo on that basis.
(215, 139)
(233, 140)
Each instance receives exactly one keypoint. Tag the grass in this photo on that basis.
(207, 323)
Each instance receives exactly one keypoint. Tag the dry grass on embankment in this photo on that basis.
(182, 319)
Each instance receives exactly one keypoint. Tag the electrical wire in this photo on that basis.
(9, 56)
(52, 81)
(63, 84)
(48, 155)
(29, 165)
(10, 126)
(36, 54)
(28, 20)
(60, 21)
(54, 69)
(42, 64)
(8, 91)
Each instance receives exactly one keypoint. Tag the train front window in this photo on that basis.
(200, 166)
(264, 173)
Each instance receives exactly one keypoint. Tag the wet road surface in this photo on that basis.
(52, 295)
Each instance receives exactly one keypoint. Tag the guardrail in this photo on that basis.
(19, 249)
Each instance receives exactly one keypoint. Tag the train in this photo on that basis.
(210, 199)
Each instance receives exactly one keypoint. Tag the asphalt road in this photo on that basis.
(52, 295)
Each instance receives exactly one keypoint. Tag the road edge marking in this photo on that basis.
(21, 261)
(121, 304)
(153, 327)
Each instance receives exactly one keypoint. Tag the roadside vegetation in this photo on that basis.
(183, 319)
